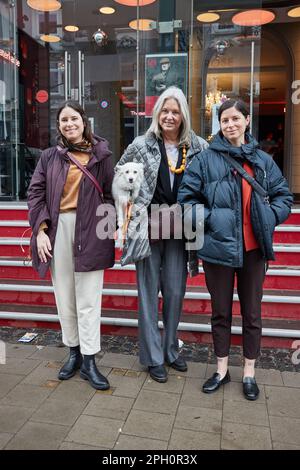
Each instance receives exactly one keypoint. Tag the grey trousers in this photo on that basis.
(166, 271)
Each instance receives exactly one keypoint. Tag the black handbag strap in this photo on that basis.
(255, 185)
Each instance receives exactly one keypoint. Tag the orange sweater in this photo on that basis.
(70, 193)
(249, 237)
(69, 197)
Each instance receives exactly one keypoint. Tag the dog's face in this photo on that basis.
(129, 175)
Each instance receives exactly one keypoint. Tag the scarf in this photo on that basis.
(83, 146)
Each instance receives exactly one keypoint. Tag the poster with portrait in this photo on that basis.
(162, 71)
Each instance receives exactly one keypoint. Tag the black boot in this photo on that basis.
(90, 372)
(72, 365)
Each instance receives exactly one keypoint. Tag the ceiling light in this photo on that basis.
(294, 12)
(107, 10)
(227, 9)
(44, 5)
(208, 17)
(71, 28)
(49, 38)
(141, 24)
(135, 3)
(253, 18)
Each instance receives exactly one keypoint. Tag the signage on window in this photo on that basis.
(9, 57)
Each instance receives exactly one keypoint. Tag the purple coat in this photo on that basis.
(44, 196)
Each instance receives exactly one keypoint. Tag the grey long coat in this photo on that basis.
(145, 149)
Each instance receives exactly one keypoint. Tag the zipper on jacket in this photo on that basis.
(238, 190)
(79, 246)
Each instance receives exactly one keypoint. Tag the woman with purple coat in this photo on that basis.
(62, 202)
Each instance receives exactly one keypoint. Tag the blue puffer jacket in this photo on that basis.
(211, 181)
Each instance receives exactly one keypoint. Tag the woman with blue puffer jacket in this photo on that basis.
(238, 231)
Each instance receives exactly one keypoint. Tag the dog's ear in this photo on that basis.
(117, 168)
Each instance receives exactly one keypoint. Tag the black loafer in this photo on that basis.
(250, 388)
(214, 382)
(179, 364)
(158, 373)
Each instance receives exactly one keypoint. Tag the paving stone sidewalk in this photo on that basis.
(37, 411)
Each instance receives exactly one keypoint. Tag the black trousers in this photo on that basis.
(220, 284)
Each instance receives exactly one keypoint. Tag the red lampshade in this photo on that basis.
(134, 3)
(253, 17)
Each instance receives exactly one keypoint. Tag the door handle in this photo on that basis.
(67, 75)
(81, 77)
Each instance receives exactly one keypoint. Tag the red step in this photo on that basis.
(278, 278)
(13, 214)
(185, 336)
(20, 212)
(284, 303)
(287, 234)
(286, 255)
(14, 230)
(294, 218)
(11, 228)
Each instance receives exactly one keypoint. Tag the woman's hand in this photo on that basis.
(43, 246)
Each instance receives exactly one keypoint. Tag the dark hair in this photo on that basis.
(87, 132)
(239, 105)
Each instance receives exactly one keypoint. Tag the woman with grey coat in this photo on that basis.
(165, 151)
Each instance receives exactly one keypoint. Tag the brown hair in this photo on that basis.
(87, 132)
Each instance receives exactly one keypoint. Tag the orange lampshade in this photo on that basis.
(107, 10)
(44, 5)
(253, 17)
(71, 28)
(142, 24)
(208, 17)
(294, 12)
(49, 38)
(134, 3)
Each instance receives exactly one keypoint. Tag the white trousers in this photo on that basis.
(77, 295)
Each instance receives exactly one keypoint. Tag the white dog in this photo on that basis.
(125, 188)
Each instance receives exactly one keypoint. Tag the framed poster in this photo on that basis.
(162, 71)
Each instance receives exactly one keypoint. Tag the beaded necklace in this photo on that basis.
(179, 170)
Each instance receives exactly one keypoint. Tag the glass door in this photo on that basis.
(9, 129)
(232, 61)
(96, 66)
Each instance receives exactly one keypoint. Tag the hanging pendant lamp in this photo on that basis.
(142, 24)
(44, 5)
(294, 12)
(253, 18)
(135, 3)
